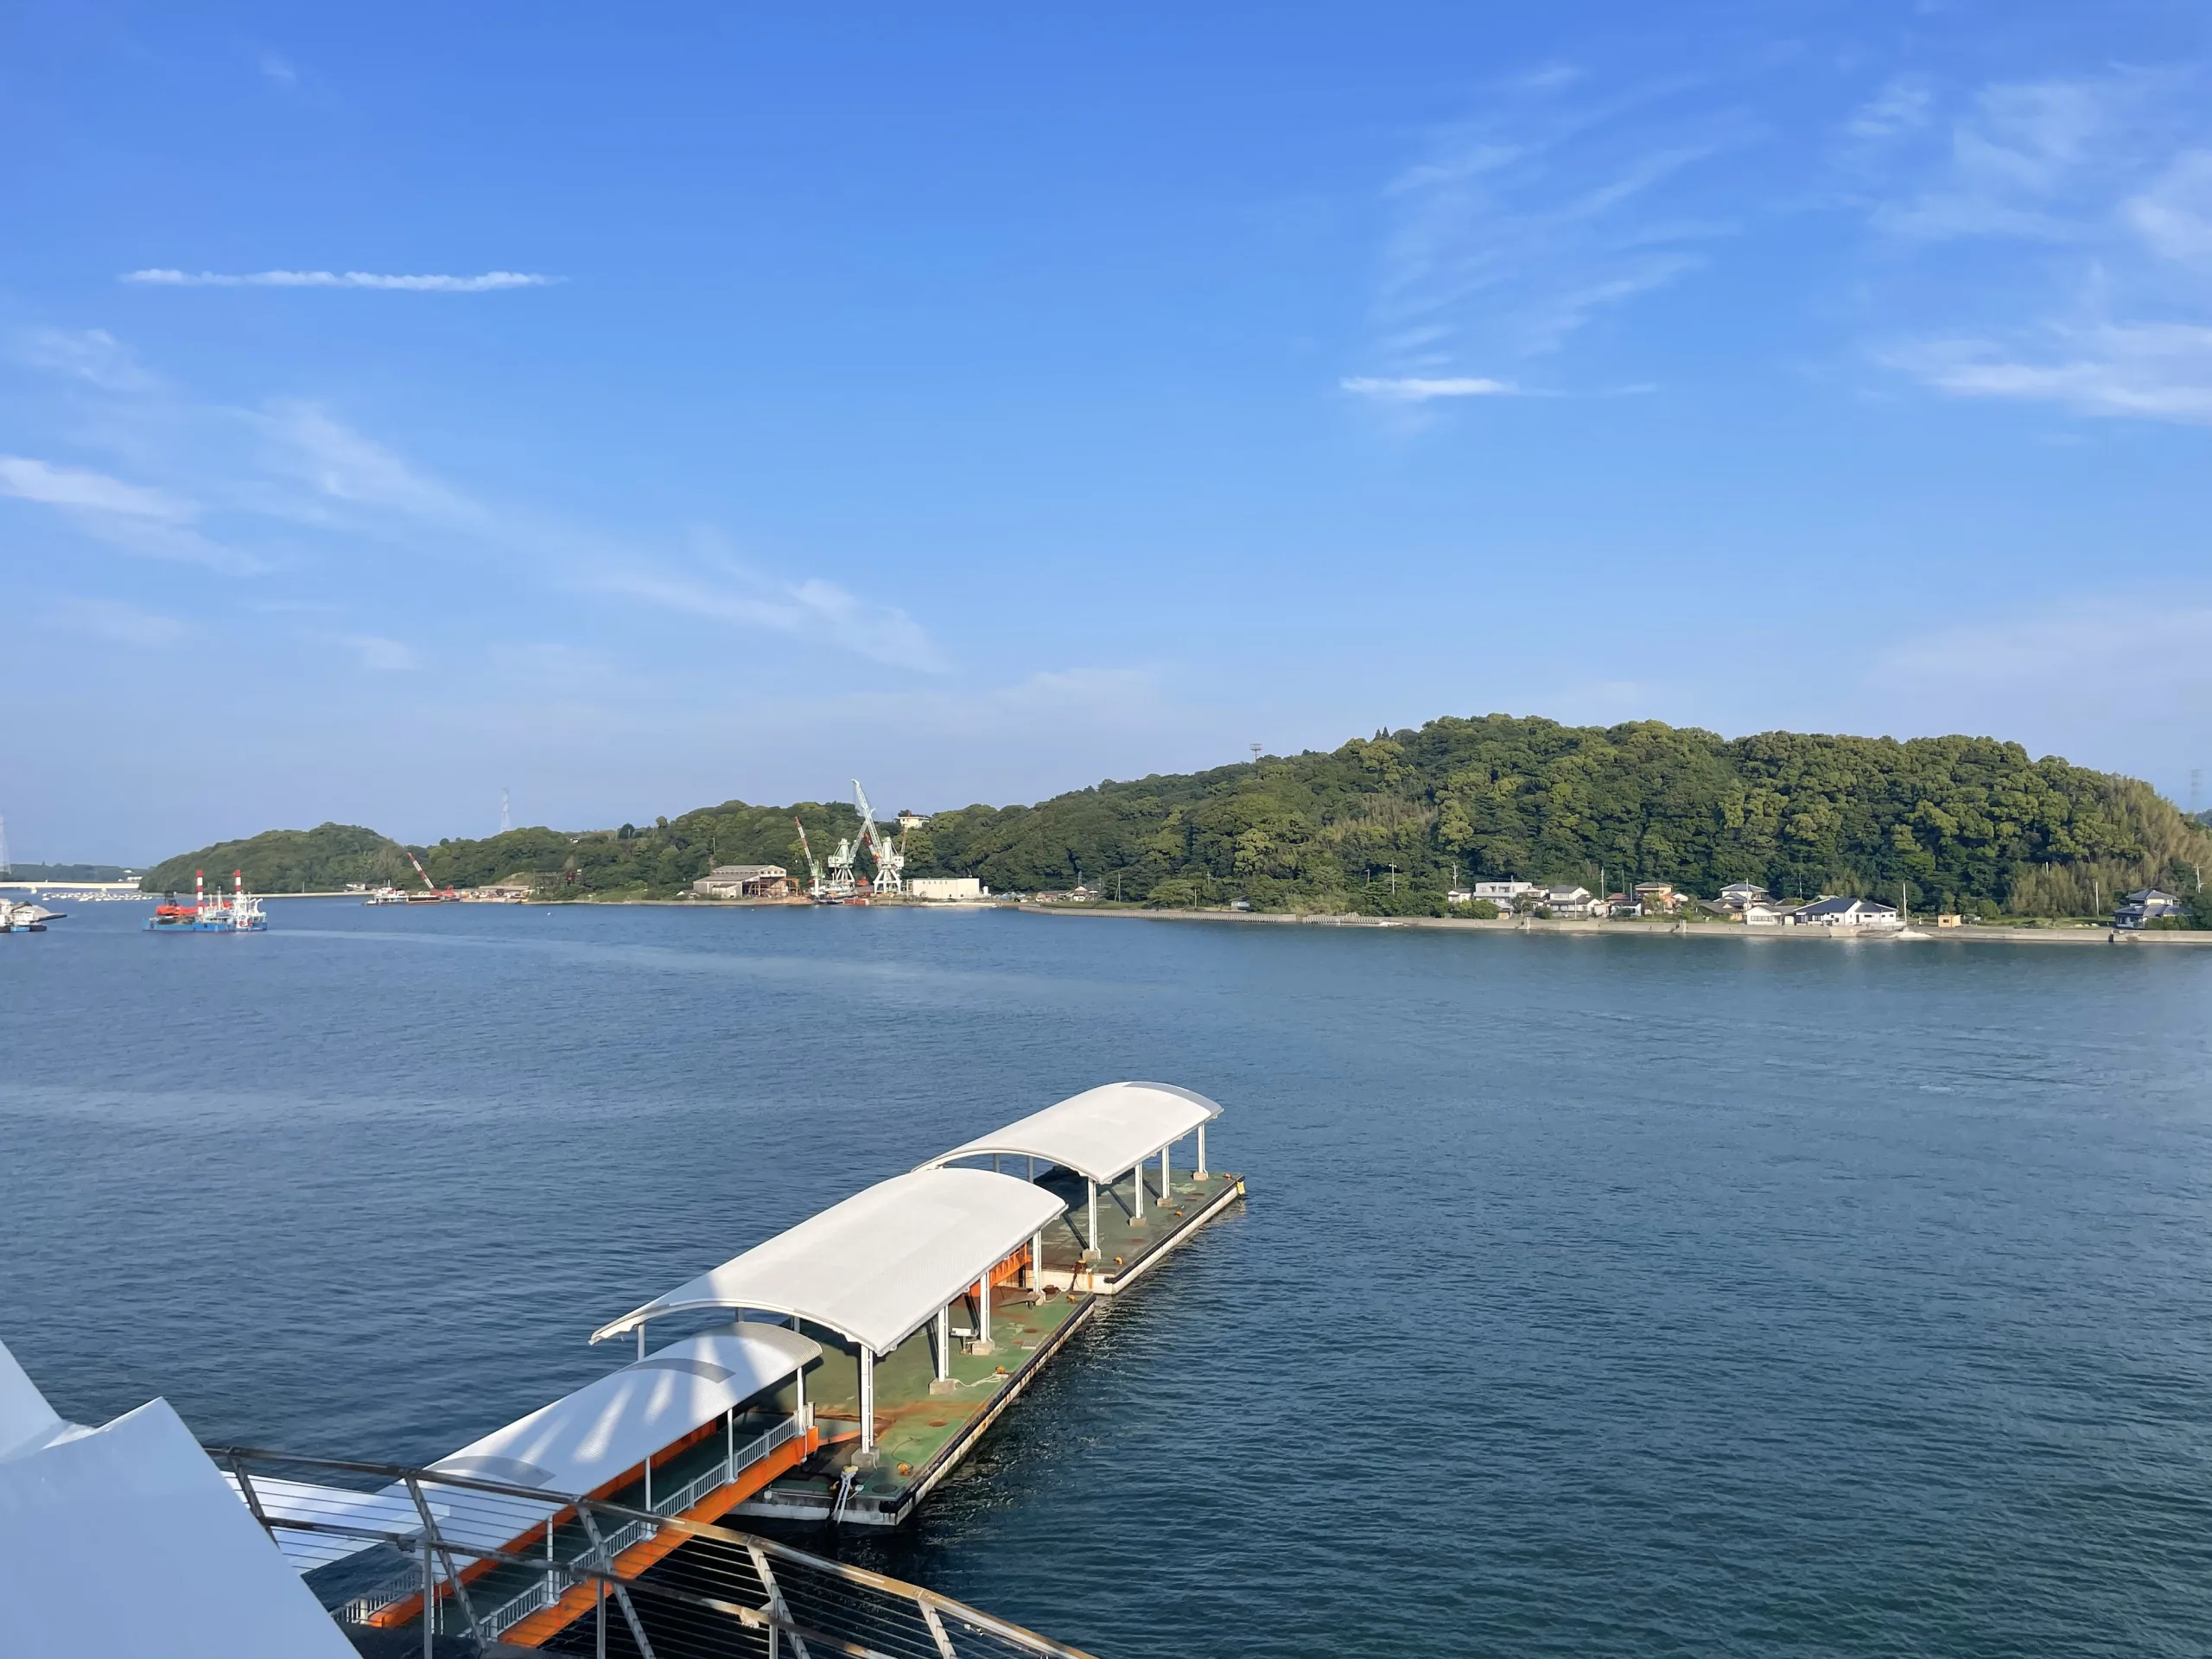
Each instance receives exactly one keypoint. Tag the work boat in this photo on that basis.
(238, 913)
(25, 917)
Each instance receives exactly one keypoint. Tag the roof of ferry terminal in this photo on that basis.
(578, 1444)
(1103, 1133)
(876, 1267)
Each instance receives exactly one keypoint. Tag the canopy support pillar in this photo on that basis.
(641, 1339)
(1166, 1176)
(982, 1315)
(1037, 1263)
(868, 1401)
(1136, 1182)
(944, 1344)
(1202, 1152)
(1090, 1238)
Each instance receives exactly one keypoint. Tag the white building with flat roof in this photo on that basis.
(945, 889)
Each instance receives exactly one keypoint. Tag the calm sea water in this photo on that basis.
(1594, 1297)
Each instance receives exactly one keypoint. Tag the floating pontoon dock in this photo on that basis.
(939, 1295)
(874, 1345)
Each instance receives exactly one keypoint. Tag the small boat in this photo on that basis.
(25, 917)
(236, 914)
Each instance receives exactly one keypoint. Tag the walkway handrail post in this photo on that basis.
(430, 1534)
(621, 1590)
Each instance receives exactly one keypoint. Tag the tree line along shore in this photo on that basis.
(1387, 825)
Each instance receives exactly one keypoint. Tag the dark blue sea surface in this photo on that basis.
(1594, 1296)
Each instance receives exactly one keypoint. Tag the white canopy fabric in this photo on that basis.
(878, 1265)
(573, 1447)
(584, 1440)
(1103, 1133)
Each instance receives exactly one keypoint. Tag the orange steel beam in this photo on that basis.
(541, 1626)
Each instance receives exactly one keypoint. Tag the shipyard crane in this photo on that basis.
(889, 860)
(842, 883)
(814, 889)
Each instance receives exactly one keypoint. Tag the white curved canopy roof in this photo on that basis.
(584, 1440)
(1103, 1133)
(876, 1267)
(577, 1445)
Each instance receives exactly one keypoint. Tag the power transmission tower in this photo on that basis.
(506, 818)
(1256, 757)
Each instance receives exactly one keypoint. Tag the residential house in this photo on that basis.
(1657, 896)
(1847, 913)
(1500, 894)
(2144, 906)
(1622, 903)
(1741, 895)
(1570, 903)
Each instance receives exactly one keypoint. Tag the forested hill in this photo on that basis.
(1965, 822)
(321, 859)
(657, 860)
(1384, 824)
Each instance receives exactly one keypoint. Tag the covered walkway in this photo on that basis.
(879, 1267)
(1102, 1135)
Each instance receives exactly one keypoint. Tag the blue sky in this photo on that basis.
(402, 405)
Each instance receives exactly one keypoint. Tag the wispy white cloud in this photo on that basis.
(30, 479)
(305, 442)
(1903, 105)
(485, 282)
(1420, 389)
(276, 68)
(2042, 160)
(93, 355)
(294, 477)
(150, 523)
(812, 609)
(1517, 231)
(2108, 180)
(2153, 371)
(115, 623)
(373, 650)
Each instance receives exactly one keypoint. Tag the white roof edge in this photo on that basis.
(1101, 1133)
(876, 1267)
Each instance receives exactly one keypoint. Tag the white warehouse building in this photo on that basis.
(945, 889)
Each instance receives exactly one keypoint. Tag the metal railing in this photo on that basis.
(703, 1589)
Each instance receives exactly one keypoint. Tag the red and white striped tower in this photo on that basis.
(198, 889)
